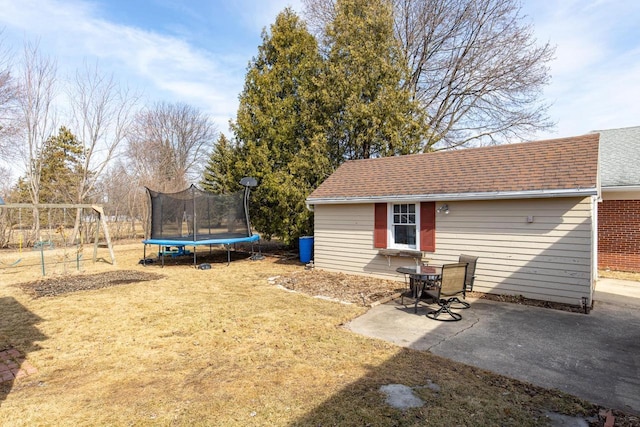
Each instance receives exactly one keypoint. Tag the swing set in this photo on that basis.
(49, 243)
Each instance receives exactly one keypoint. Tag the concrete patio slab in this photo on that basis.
(594, 356)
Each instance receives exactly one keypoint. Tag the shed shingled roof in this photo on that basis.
(540, 166)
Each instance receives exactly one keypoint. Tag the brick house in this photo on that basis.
(619, 212)
(528, 210)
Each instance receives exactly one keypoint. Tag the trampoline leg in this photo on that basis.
(195, 263)
(144, 256)
(228, 255)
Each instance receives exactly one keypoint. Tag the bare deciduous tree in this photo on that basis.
(169, 144)
(37, 90)
(476, 67)
(102, 113)
(319, 14)
(8, 104)
(124, 201)
(6, 226)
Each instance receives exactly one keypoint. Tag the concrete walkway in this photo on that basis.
(594, 356)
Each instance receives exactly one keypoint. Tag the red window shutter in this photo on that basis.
(428, 226)
(380, 226)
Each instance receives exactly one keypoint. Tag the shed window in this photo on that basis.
(404, 225)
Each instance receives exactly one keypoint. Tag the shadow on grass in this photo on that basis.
(18, 337)
(214, 256)
(453, 394)
(218, 255)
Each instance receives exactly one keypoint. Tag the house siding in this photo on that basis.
(619, 235)
(548, 259)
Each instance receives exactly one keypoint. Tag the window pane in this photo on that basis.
(396, 219)
(405, 234)
(409, 209)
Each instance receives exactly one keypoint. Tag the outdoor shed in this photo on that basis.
(619, 212)
(528, 210)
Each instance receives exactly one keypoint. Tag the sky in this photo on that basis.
(197, 51)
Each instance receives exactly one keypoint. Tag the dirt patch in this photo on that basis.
(51, 287)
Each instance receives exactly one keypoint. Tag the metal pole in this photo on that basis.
(195, 237)
(42, 258)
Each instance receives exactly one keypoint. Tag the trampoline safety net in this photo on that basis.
(193, 214)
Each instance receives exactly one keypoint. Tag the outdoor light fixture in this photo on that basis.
(444, 208)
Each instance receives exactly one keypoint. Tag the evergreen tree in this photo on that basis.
(62, 160)
(279, 129)
(218, 175)
(372, 115)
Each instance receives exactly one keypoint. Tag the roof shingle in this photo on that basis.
(620, 157)
(557, 164)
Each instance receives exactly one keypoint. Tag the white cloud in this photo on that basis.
(165, 67)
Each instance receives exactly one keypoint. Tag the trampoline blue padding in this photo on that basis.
(226, 239)
(202, 240)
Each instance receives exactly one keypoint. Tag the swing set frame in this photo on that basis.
(98, 209)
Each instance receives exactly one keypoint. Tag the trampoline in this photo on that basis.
(194, 217)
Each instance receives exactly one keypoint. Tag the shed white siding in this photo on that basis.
(549, 258)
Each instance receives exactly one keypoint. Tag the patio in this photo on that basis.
(594, 356)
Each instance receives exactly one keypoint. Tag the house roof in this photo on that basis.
(550, 168)
(620, 157)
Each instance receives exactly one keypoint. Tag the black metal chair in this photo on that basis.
(452, 284)
(471, 262)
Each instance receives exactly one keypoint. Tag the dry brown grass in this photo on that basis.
(227, 347)
(622, 275)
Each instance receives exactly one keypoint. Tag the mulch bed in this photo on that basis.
(519, 299)
(368, 291)
(342, 287)
(54, 286)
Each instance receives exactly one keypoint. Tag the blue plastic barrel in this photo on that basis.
(306, 248)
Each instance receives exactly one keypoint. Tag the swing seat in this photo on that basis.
(45, 244)
(14, 263)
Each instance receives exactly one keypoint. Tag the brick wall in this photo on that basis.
(619, 235)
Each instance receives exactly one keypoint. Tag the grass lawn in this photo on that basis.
(226, 347)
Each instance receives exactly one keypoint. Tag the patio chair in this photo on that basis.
(451, 285)
(471, 272)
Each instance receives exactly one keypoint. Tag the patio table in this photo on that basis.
(418, 278)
